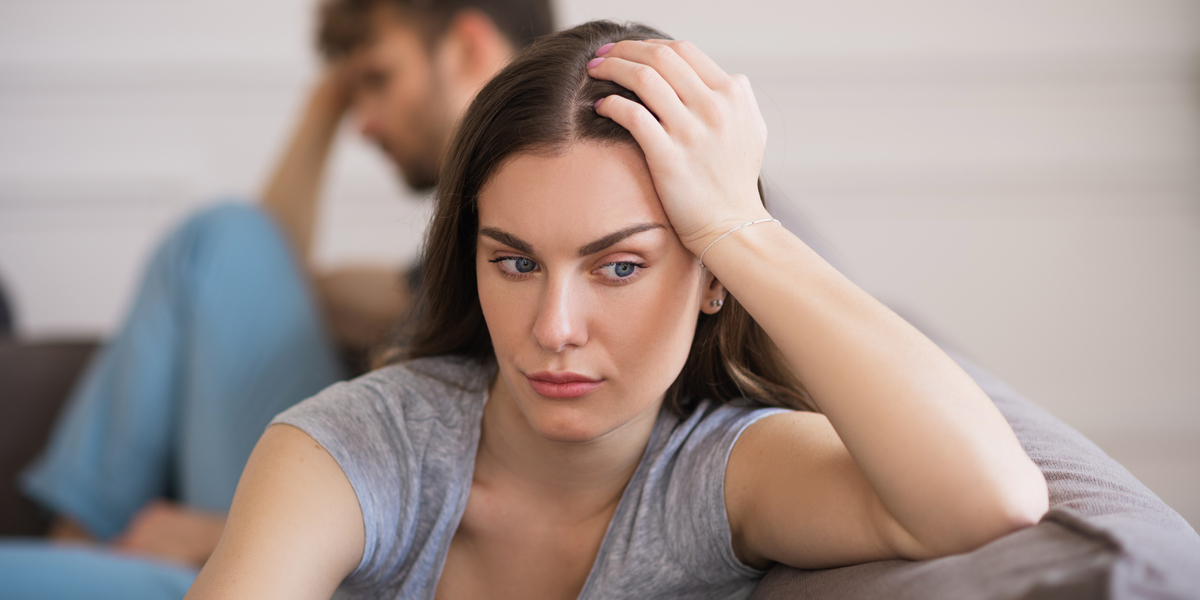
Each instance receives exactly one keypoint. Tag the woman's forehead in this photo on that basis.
(586, 188)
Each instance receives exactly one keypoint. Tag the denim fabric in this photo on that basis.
(223, 335)
(35, 570)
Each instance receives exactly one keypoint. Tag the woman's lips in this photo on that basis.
(561, 385)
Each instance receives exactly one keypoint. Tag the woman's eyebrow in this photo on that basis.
(521, 245)
(615, 237)
(507, 239)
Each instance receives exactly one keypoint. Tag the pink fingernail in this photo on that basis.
(604, 49)
(597, 106)
(592, 64)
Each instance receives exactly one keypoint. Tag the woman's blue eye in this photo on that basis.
(515, 265)
(620, 270)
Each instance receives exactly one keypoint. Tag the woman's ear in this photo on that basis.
(713, 297)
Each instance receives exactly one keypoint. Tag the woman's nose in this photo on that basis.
(561, 324)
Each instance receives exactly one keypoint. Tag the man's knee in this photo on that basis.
(234, 235)
(227, 244)
(233, 221)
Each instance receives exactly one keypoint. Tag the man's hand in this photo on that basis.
(166, 530)
(66, 529)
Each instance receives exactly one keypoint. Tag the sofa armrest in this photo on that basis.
(35, 379)
(1106, 535)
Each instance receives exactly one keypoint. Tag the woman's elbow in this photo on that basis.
(1021, 502)
(1027, 500)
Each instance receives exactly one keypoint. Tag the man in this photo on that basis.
(232, 325)
(410, 74)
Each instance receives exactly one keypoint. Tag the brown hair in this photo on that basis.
(346, 25)
(542, 102)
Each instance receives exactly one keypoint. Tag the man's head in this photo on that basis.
(415, 65)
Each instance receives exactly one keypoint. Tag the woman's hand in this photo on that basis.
(705, 148)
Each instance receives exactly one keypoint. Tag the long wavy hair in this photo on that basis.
(543, 102)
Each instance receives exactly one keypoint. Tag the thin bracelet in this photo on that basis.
(729, 232)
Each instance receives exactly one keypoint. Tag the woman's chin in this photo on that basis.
(580, 420)
(566, 426)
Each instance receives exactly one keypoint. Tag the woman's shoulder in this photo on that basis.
(681, 489)
(434, 375)
(726, 420)
(441, 387)
(401, 434)
(697, 445)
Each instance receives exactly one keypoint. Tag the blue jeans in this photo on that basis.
(223, 335)
(34, 569)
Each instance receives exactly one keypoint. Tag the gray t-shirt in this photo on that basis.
(406, 437)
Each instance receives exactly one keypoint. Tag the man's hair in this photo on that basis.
(346, 25)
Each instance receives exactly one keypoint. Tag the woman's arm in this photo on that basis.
(945, 471)
(911, 459)
(295, 529)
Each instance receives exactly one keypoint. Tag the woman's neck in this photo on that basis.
(584, 477)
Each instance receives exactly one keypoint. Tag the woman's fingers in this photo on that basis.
(743, 84)
(646, 82)
(708, 71)
(646, 130)
(705, 149)
(663, 58)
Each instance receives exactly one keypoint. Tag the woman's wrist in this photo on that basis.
(740, 259)
(720, 230)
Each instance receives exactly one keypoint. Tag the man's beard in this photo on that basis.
(420, 174)
(420, 169)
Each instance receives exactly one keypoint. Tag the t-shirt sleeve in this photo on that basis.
(698, 525)
(363, 430)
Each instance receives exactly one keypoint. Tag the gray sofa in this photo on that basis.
(1107, 535)
(34, 380)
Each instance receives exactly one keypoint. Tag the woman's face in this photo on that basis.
(581, 277)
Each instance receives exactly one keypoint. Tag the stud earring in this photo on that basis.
(717, 303)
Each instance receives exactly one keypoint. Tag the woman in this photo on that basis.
(584, 413)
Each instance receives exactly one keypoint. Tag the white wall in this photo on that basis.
(1022, 177)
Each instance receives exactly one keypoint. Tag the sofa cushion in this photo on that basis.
(1106, 536)
(35, 378)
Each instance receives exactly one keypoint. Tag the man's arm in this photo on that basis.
(291, 193)
(169, 530)
(161, 529)
(360, 304)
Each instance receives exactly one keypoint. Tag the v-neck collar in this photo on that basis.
(476, 427)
